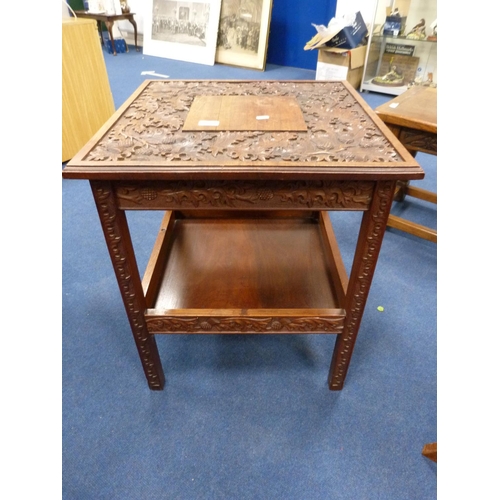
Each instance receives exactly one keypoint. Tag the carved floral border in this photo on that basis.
(274, 325)
(246, 194)
(150, 129)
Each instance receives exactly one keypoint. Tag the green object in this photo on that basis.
(75, 4)
(380, 308)
(78, 5)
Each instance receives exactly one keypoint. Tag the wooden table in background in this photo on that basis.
(109, 20)
(412, 117)
(246, 245)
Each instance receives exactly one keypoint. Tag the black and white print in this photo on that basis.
(243, 32)
(180, 22)
(186, 31)
(239, 25)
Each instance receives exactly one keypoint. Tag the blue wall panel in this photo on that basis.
(291, 29)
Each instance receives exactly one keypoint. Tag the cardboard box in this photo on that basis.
(341, 64)
(338, 35)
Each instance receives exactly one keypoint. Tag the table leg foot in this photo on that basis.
(334, 385)
(151, 363)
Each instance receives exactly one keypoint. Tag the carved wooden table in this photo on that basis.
(412, 117)
(246, 172)
(108, 21)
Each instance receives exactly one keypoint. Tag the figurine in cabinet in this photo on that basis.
(418, 31)
(393, 78)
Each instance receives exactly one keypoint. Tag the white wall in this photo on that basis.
(366, 7)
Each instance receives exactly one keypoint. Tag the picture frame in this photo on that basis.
(184, 31)
(244, 33)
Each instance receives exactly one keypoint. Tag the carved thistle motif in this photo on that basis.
(150, 130)
(246, 194)
(211, 324)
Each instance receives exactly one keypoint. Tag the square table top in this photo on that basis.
(282, 130)
(416, 108)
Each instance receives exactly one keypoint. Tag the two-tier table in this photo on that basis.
(246, 172)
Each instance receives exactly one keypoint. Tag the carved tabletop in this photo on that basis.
(344, 138)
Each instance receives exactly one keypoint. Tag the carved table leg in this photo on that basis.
(117, 235)
(368, 247)
(109, 25)
(134, 24)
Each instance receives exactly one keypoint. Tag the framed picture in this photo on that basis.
(185, 31)
(244, 33)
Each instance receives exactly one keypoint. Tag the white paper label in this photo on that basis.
(208, 123)
(325, 71)
(262, 117)
(394, 105)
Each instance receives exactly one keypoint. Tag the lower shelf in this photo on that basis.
(245, 275)
(239, 321)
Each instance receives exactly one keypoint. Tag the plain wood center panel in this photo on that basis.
(248, 112)
(246, 264)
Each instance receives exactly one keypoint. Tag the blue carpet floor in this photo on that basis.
(246, 417)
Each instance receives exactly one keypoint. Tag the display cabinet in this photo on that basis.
(402, 46)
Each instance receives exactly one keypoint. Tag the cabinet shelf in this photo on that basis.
(402, 39)
(245, 274)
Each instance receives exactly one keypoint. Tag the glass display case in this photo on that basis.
(402, 46)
